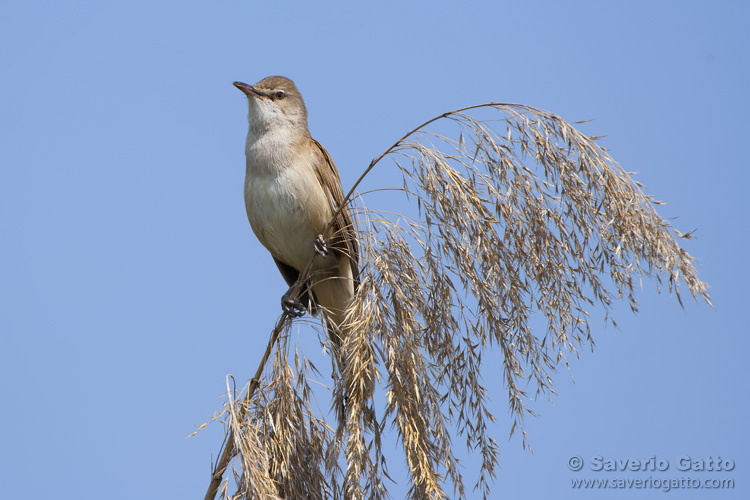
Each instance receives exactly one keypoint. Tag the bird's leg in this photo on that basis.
(321, 246)
(293, 307)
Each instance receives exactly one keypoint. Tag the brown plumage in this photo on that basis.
(292, 190)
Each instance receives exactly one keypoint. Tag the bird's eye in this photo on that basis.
(279, 94)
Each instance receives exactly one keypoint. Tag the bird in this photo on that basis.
(292, 192)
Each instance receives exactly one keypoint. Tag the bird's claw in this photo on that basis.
(321, 246)
(293, 307)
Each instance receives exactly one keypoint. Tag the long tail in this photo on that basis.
(334, 290)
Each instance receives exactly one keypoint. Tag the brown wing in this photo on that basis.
(344, 237)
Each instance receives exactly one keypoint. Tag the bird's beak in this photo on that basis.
(249, 90)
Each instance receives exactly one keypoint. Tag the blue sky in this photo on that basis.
(132, 285)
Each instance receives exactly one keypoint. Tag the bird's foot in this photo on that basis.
(321, 246)
(293, 307)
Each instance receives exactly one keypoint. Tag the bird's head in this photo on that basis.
(275, 102)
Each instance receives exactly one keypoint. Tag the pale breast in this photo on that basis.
(287, 210)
